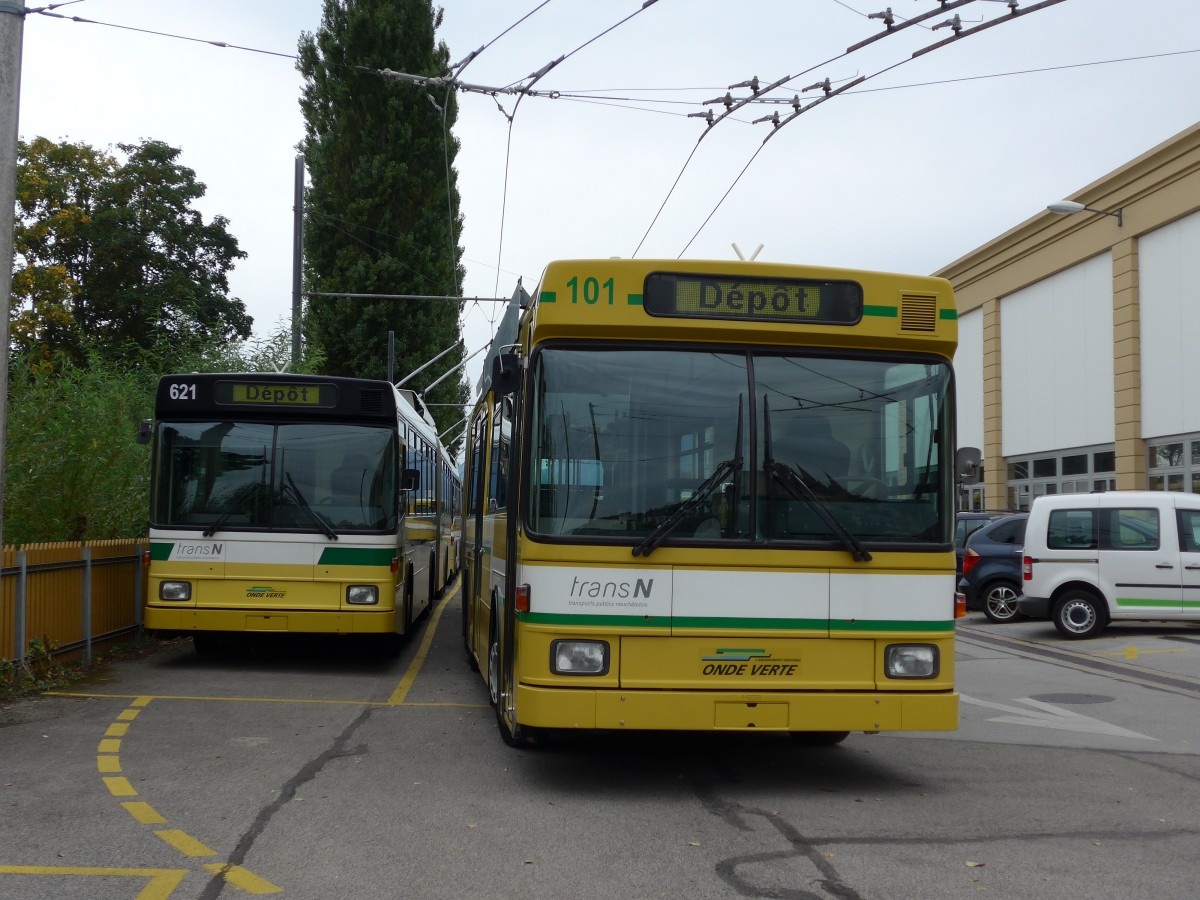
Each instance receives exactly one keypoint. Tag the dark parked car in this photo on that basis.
(970, 521)
(991, 576)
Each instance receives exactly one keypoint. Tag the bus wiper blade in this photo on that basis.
(646, 546)
(293, 492)
(798, 488)
(224, 517)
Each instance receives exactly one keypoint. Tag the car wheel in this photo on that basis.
(1079, 614)
(1000, 601)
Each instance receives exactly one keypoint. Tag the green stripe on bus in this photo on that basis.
(356, 556)
(548, 297)
(853, 625)
(609, 621)
(886, 312)
(160, 552)
(635, 300)
(761, 624)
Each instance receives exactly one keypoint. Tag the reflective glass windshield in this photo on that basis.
(696, 445)
(235, 475)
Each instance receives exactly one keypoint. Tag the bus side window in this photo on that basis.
(501, 431)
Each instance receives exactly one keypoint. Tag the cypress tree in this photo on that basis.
(381, 208)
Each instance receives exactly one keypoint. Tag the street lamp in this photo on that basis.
(1070, 207)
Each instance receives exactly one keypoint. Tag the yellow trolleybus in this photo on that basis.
(715, 495)
(280, 503)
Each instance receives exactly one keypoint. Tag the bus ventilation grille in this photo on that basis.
(371, 401)
(918, 312)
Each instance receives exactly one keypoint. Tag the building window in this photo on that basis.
(1075, 471)
(1173, 464)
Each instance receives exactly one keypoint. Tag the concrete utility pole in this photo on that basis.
(297, 259)
(12, 30)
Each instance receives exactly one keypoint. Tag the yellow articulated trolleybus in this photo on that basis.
(281, 503)
(715, 496)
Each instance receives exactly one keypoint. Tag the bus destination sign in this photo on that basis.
(244, 393)
(812, 302)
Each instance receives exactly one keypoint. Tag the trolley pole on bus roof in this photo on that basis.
(12, 30)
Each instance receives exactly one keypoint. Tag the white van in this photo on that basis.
(1093, 558)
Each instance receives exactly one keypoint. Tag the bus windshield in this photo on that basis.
(627, 439)
(323, 477)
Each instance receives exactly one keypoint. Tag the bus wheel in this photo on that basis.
(209, 643)
(819, 738)
(514, 735)
(433, 591)
(391, 644)
(493, 667)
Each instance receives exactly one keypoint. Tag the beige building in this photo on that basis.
(1079, 339)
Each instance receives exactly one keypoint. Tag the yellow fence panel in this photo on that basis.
(49, 600)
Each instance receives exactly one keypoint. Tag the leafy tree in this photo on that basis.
(377, 213)
(110, 256)
(74, 468)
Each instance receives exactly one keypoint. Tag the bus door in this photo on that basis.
(476, 503)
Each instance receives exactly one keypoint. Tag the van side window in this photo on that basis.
(1131, 529)
(1071, 529)
(1189, 530)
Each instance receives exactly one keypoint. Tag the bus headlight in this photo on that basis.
(362, 594)
(911, 661)
(175, 590)
(579, 657)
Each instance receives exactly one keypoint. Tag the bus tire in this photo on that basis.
(819, 738)
(514, 735)
(408, 601)
(433, 590)
(391, 644)
(209, 643)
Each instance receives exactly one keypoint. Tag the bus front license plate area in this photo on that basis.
(751, 715)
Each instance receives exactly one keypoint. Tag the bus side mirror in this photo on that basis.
(506, 373)
(144, 432)
(410, 479)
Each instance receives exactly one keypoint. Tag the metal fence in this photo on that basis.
(79, 596)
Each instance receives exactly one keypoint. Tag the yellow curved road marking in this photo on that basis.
(162, 881)
(414, 667)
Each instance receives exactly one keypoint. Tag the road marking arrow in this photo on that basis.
(1044, 715)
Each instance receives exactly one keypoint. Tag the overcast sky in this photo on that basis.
(908, 171)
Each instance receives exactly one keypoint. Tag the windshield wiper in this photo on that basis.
(241, 507)
(731, 466)
(293, 492)
(797, 487)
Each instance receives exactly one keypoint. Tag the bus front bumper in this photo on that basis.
(305, 621)
(735, 711)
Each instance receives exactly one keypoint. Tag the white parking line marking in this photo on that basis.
(1043, 715)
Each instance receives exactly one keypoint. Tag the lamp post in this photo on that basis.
(1070, 207)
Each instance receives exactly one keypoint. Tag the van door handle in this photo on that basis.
(1192, 567)
(1164, 566)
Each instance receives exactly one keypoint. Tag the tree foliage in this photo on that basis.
(111, 258)
(378, 210)
(74, 469)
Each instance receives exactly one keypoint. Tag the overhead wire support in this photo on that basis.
(946, 6)
(732, 106)
(1014, 12)
(806, 107)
